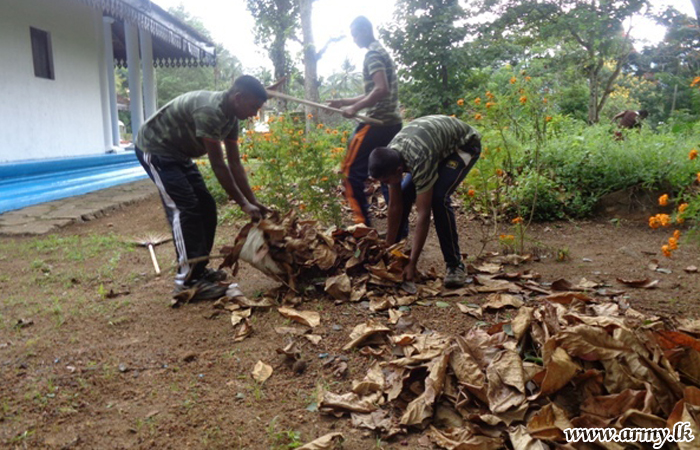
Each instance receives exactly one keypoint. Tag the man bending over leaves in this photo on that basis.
(190, 126)
(438, 151)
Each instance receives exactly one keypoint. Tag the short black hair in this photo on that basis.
(383, 161)
(362, 23)
(249, 85)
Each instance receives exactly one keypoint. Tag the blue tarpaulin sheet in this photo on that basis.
(27, 183)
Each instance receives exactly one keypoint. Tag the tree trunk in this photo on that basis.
(279, 62)
(310, 62)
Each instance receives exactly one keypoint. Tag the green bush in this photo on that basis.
(289, 168)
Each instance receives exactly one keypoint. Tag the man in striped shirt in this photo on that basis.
(190, 126)
(438, 152)
(382, 98)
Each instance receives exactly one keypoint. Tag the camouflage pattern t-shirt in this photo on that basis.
(176, 130)
(426, 141)
(387, 109)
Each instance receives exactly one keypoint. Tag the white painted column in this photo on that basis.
(149, 81)
(131, 35)
(111, 118)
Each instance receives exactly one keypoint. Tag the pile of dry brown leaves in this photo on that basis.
(565, 360)
(301, 255)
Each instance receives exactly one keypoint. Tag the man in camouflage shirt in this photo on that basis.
(382, 98)
(190, 126)
(438, 152)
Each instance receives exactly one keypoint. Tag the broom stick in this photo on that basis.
(273, 93)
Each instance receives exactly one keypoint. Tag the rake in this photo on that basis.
(150, 241)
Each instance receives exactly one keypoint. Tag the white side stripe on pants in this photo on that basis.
(184, 266)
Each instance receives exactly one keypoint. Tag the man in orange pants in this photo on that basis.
(381, 97)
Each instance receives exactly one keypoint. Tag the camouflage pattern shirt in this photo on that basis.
(176, 130)
(426, 141)
(387, 109)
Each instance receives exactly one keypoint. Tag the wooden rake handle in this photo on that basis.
(272, 93)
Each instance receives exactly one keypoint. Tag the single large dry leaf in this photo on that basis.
(566, 298)
(325, 442)
(261, 372)
(309, 318)
(475, 311)
(501, 300)
(646, 283)
(613, 406)
(324, 257)
(559, 370)
(549, 423)
(506, 382)
(521, 323)
(376, 420)
(363, 332)
(339, 287)
(421, 408)
(245, 330)
(589, 343)
(349, 402)
(238, 316)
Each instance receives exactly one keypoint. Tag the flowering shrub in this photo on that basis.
(290, 168)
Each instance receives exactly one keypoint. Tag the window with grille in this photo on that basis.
(41, 52)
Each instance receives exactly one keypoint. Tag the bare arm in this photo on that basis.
(394, 213)
(355, 104)
(618, 116)
(378, 93)
(226, 177)
(238, 171)
(424, 206)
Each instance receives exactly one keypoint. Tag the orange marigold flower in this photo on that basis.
(499, 172)
(693, 154)
(528, 78)
(324, 178)
(319, 126)
(460, 102)
(335, 132)
(256, 188)
(343, 140)
(695, 82)
(310, 116)
(523, 100)
(489, 95)
(666, 251)
(664, 219)
(477, 101)
(682, 207)
(489, 104)
(698, 176)
(302, 206)
(513, 80)
(471, 192)
(654, 222)
(663, 200)
(477, 116)
(677, 234)
(300, 132)
(673, 243)
(680, 220)
(517, 220)
(548, 119)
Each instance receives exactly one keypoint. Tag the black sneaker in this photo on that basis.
(200, 290)
(456, 277)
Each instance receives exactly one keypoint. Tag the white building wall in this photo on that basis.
(42, 118)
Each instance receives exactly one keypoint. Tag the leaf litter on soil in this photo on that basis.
(571, 356)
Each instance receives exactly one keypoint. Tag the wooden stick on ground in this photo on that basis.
(273, 93)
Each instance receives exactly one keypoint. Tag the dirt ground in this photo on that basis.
(92, 356)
